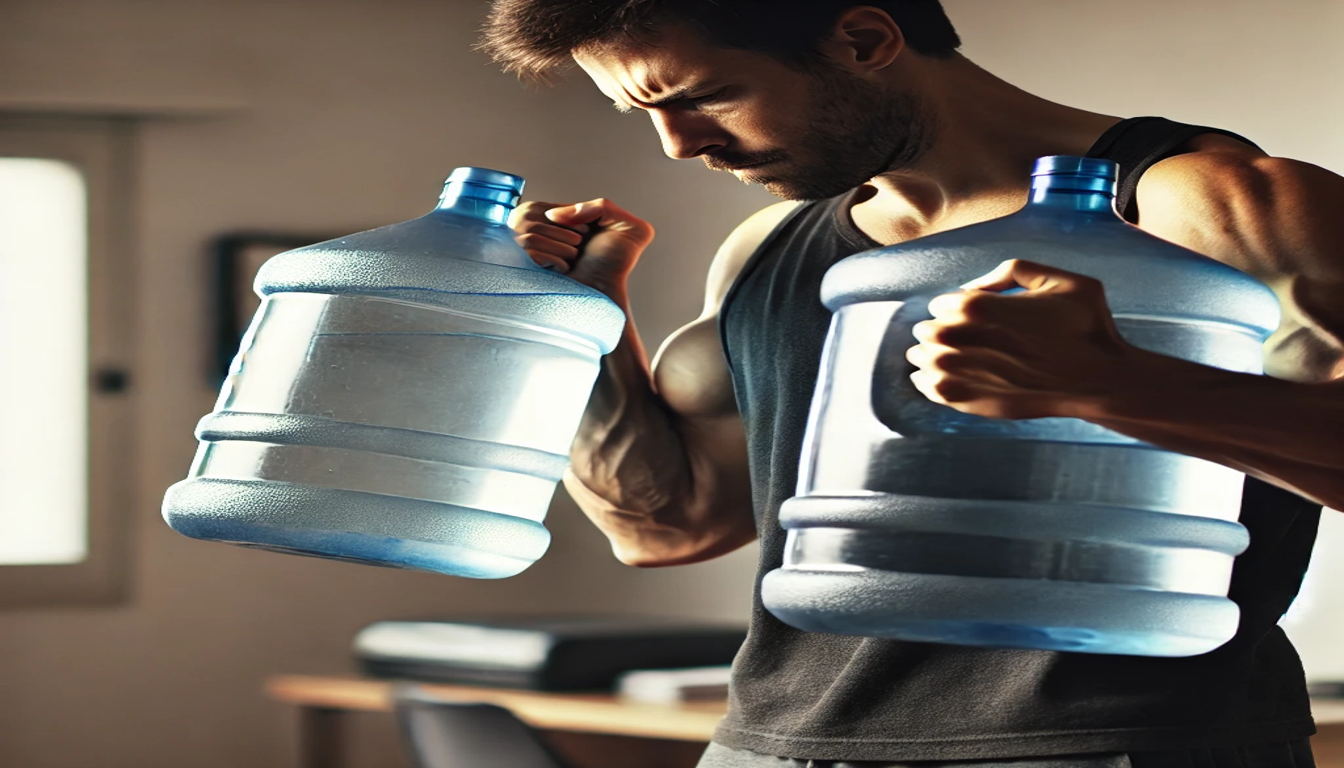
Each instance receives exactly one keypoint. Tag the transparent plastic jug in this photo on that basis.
(404, 397)
(915, 521)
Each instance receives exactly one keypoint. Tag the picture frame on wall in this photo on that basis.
(237, 257)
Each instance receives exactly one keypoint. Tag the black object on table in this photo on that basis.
(541, 653)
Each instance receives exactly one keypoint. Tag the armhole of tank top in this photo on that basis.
(753, 261)
(1138, 143)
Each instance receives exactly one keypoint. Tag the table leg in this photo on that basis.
(320, 741)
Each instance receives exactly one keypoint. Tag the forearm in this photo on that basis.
(629, 466)
(627, 450)
(1287, 433)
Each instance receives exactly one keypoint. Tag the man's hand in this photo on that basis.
(1044, 350)
(596, 242)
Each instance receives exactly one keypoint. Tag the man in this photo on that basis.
(869, 112)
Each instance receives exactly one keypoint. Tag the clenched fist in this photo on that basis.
(1051, 350)
(595, 242)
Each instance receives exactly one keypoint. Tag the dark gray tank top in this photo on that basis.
(835, 697)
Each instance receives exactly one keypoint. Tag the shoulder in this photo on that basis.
(738, 248)
(1269, 216)
(1222, 170)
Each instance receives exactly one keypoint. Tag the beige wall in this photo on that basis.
(336, 115)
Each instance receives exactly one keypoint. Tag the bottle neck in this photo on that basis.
(1048, 197)
(478, 201)
(1066, 183)
(1070, 183)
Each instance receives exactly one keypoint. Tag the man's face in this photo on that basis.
(801, 135)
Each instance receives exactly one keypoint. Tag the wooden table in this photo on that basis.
(1328, 743)
(656, 736)
(648, 735)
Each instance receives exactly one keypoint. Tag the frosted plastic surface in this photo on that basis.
(404, 397)
(915, 521)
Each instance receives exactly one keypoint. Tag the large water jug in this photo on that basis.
(405, 396)
(915, 521)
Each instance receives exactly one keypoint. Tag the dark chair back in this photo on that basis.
(451, 734)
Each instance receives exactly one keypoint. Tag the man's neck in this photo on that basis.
(987, 133)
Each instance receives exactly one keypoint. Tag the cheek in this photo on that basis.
(757, 129)
(777, 132)
(691, 124)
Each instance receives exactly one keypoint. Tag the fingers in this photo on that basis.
(531, 215)
(941, 382)
(1001, 278)
(942, 390)
(980, 398)
(551, 232)
(980, 364)
(977, 307)
(547, 252)
(982, 382)
(1055, 300)
(577, 214)
(956, 334)
(550, 245)
(604, 214)
(1020, 273)
(1010, 342)
(596, 242)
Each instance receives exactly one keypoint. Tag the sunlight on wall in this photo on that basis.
(43, 345)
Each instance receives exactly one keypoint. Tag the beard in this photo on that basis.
(851, 132)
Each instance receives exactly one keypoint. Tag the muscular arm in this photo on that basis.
(1279, 221)
(660, 462)
(1054, 350)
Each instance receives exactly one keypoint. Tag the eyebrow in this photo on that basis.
(680, 94)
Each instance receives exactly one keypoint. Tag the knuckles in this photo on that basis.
(955, 333)
(1090, 287)
(532, 239)
(938, 360)
(945, 389)
(975, 306)
(958, 335)
(965, 306)
(533, 209)
(528, 213)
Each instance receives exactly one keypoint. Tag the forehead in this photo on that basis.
(676, 57)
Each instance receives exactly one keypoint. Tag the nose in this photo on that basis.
(687, 134)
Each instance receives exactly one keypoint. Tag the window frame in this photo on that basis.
(101, 149)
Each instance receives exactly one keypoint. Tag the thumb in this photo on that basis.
(1015, 276)
(1003, 277)
(578, 213)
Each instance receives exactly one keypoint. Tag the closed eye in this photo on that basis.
(680, 99)
(708, 98)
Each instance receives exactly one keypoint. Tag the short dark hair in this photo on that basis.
(534, 38)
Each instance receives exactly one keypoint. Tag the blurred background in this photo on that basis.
(192, 119)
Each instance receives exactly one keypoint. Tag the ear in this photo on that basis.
(864, 39)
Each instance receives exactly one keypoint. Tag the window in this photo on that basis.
(43, 335)
(64, 445)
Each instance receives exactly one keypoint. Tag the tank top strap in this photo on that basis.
(1138, 143)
